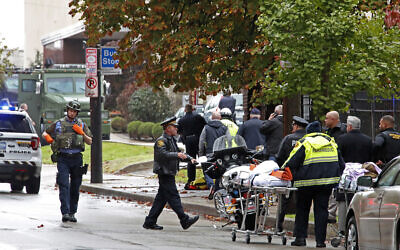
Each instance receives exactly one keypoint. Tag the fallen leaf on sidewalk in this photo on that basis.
(40, 226)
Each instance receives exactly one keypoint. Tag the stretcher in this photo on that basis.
(255, 204)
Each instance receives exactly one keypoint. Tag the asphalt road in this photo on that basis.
(34, 222)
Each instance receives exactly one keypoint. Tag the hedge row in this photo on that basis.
(137, 129)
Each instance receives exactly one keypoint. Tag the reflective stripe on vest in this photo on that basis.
(316, 182)
(232, 127)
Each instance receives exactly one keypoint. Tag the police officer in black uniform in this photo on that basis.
(387, 142)
(190, 127)
(298, 131)
(70, 134)
(166, 165)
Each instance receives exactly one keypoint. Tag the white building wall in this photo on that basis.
(43, 17)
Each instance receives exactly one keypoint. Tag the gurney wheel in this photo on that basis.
(269, 238)
(284, 240)
(247, 238)
(233, 236)
(335, 242)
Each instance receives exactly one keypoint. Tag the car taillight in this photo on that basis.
(35, 142)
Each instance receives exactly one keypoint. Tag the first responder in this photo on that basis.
(387, 143)
(317, 166)
(70, 135)
(166, 164)
(226, 119)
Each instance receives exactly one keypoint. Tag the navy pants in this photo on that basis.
(69, 179)
(167, 192)
(319, 196)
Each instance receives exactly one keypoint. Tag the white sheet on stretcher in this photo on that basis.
(266, 180)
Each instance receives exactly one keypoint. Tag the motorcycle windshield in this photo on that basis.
(228, 141)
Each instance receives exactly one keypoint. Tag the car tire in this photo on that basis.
(16, 186)
(351, 241)
(33, 185)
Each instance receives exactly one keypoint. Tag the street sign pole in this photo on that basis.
(96, 174)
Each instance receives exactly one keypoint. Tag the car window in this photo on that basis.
(12, 82)
(28, 85)
(14, 123)
(60, 85)
(389, 176)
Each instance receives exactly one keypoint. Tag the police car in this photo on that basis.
(20, 151)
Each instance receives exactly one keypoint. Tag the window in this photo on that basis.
(60, 85)
(12, 82)
(14, 123)
(28, 85)
(390, 175)
(80, 85)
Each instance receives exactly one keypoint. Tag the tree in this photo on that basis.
(38, 62)
(328, 50)
(148, 106)
(204, 44)
(5, 63)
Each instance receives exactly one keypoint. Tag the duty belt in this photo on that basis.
(70, 155)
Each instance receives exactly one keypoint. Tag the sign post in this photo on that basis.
(93, 90)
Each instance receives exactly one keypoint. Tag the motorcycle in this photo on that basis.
(230, 155)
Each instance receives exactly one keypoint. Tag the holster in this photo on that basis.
(84, 169)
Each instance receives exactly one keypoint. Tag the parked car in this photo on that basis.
(373, 217)
(212, 105)
(20, 151)
(199, 109)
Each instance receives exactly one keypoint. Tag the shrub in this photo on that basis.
(156, 131)
(149, 106)
(148, 129)
(118, 124)
(141, 130)
(133, 129)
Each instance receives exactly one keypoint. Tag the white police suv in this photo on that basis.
(20, 151)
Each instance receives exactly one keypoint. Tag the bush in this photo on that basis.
(133, 129)
(156, 131)
(118, 124)
(148, 129)
(141, 130)
(149, 106)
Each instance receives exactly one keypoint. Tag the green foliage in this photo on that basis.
(146, 105)
(207, 44)
(119, 124)
(156, 131)
(142, 130)
(328, 50)
(133, 129)
(5, 63)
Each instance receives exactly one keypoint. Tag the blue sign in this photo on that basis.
(107, 60)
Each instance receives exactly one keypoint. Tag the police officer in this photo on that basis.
(70, 134)
(190, 127)
(166, 165)
(226, 119)
(298, 131)
(317, 166)
(387, 143)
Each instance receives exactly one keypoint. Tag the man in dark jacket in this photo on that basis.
(317, 166)
(227, 101)
(334, 129)
(333, 126)
(166, 165)
(190, 127)
(298, 131)
(250, 130)
(354, 147)
(213, 130)
(273, 131)
(387, 143)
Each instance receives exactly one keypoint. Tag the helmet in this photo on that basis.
(74, 105)
(226, 112)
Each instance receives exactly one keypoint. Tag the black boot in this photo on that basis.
(189, 221)
(298, 242)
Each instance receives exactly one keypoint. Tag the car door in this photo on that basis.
(369, 219)
(389, 208)
(29, 93)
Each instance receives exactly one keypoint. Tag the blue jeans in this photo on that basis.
(69, 179)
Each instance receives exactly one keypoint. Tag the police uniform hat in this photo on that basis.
(300, 121)
(169, 121)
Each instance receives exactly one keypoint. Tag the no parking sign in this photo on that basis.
(91, 86)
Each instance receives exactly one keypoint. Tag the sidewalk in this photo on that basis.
(138, 183)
